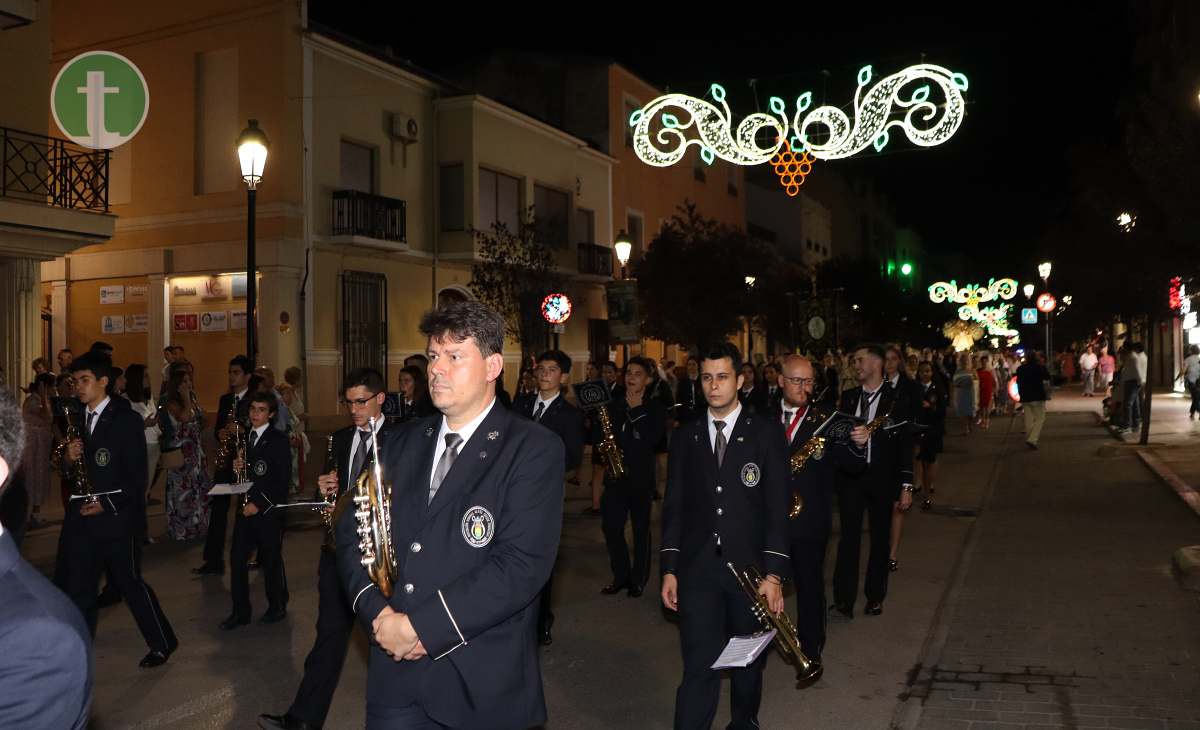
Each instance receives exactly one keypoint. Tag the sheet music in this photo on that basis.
(229, 489)
(741, 651)
(315, 505)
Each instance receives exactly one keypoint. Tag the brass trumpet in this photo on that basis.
(786, 640)
(608, 445)
(373, 510)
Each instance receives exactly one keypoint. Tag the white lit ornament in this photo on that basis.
(714, 127)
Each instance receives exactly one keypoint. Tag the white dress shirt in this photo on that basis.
(730, 421)
(354, 442)
(547, 403)
(788, 414)
(465, 432)
(260, 431)
(98, 411)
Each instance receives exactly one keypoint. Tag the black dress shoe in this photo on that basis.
(273, 616)
(614, 588)
(209, 569)
(636, 591)
(233, 622)
(153, 659)
(545, 638)
(838, 612)
(252, 565)
(873, 609)
(284, 722)
(893, 566)
(926, 505)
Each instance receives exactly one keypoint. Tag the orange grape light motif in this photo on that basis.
(792, 169)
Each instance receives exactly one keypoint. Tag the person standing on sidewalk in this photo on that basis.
(1031, 386)
(1190, 372)
(1133, 376)
(1087, 366)
(1107, 367)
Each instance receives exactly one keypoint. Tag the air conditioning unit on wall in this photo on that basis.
(405, 128)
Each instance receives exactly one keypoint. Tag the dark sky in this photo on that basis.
(1044, 77)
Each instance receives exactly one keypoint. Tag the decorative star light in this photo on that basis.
(882, 107)
(556, 308)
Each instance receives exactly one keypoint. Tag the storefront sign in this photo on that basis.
(239, 286)
(237, 319)
(137, 323)
(112, 324)
(112, 295)
(186, 322)
(135, 293)
(214, 322)
(184, 290)
(215, 288)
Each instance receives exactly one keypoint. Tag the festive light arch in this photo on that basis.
(992, 318)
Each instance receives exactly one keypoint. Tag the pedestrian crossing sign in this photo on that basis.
(1028, 315)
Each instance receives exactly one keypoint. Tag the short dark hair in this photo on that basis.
(418, 357)
(176, 347)
(168, 348)
(457, 321)
(642, 362)
(12, 433)
(872, 348)
(244, 363)
(722, 350)
(608, 364)
(268, 398)
(559, 357)
(65, 349)
(100, 346)
(369, 378)
(96, 362)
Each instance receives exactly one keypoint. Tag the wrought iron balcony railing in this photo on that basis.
(374, 216)
(52, 171)
(595, 260)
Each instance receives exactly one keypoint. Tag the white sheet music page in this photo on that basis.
(223, 489)
(741, 651)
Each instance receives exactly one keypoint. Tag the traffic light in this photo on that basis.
(906, 268)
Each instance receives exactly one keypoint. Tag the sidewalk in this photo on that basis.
(1063, 612)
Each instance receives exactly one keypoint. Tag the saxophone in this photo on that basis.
(227, 449)
(813, 447)
(608, 445)
(77, 474)
(373, 510)
(786, 640)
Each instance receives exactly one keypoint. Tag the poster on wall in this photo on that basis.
(215, 288)
(239, 286)
(237, 320)
(186, 322)
(135, 293)
(137, 323)
(214, 322)
(624, 321)
(180, 291)
(112, 295)
(112, 324)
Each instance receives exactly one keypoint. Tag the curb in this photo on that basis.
(1168, 477)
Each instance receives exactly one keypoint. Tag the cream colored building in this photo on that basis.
(375, 175)
(52, 193)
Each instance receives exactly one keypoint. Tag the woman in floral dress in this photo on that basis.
(188, 485)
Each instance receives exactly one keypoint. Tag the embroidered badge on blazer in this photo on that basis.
(260, 467)
(103, 457)
(751, 474)
(478, 526)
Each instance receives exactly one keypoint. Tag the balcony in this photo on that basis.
(595, 260)
(51, 171)
(369, 220)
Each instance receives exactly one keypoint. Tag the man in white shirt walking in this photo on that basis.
(1087, 366)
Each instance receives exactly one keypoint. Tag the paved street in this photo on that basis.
(1054, 607)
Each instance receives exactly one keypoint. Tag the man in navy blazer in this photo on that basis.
(476, 514)
(45, 650)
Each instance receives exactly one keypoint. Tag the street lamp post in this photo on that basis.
(252, 154)
(624, 248)
(1044, 272)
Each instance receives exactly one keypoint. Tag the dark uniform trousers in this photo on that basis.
(855, 499)
(712, 606)
(115, 455)
(623, 499)
(269, 463)
(808, 573)
(218, 515)
(335, 619)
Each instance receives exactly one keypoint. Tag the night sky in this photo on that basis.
(1044, 79)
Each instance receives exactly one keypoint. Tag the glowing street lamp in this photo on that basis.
(252, 148)
(750, 281)
(624, 248)
(1126, 221)
(1028, 289)
(1044, 271)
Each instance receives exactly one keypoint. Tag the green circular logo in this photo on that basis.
(100, 100)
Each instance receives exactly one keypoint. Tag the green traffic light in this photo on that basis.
(906, 269)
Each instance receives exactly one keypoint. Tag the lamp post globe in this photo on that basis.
(252, 146)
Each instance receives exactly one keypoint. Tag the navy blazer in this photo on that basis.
(638, 432)
(745, 502)
(45, 650)
(470, 567)
(890, 455)
(563, 418)
(115, 455)
(269, 466)
(815, 482)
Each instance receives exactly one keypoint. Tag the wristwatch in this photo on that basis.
(908, 487)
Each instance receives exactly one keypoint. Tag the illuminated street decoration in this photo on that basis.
(682, 121)
(1175, 293)
(792, 169)
(993, 318)
(962, 335)
(556, 308)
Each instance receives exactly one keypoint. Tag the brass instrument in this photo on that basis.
(786, 640)
(373, 510)
(77, 474)
(227, 448)
(241, 476)
(812, 447)
(608, 445)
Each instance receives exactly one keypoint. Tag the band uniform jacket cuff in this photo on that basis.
(668, 557)
(436, 627)
(777, 562)
(367, 603)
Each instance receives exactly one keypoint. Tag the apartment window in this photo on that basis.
(452, 198)
(550, 208)
(499, 200)
(364, 323)
(585, 224)
(358, 167)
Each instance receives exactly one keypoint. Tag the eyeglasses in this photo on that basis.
(799, 381)
(360, 402)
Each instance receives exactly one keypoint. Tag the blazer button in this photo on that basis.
(416, 547)
(720, 512)
(408, 587)
(718, 489)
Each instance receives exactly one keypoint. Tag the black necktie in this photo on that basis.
(360, 455)
(91, 422)
(253, 438)
(541, 408)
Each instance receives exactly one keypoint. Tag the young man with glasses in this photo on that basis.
(550, 408)
(352, 454)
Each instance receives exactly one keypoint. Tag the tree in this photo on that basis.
(692, 281)
(514, 273)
